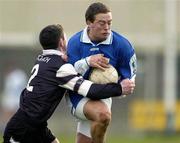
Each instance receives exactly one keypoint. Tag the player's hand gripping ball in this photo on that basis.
(102, 77)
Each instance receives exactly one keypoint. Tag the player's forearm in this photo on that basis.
(91, 90)
(82, 65)
(97, 91)
(102, 91)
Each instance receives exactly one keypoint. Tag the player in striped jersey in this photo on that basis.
(50, 77)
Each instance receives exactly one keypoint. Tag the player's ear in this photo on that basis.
(62, 45)
(89, 23)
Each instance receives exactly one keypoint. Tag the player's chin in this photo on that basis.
(104, 37)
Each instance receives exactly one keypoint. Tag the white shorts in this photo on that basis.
(84, 126)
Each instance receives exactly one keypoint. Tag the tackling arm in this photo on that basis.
(68, 79)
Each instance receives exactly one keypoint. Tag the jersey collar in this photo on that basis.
(85, 38)
(52, 52)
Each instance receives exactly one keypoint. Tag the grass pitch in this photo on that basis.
(125, 139)
(130, 139)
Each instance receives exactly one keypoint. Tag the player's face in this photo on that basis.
(100, 29)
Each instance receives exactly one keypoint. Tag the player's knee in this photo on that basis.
(105, 117)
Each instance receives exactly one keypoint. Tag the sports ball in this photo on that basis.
(102, 77)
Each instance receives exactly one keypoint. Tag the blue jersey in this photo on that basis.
(116, 47)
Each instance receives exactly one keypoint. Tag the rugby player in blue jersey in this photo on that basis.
(50, 77)
(97, 46)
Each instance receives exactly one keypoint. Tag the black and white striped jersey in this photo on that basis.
(50, 77)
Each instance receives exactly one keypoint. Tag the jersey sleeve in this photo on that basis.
(69, 79)
(128, 66)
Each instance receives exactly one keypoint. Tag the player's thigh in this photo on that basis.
(86, 107)
(94, 108)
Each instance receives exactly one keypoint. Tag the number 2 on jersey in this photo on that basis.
(34, 73)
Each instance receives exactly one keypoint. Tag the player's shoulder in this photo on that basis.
(119, 37)
(49, 60)
(56, 60)
(75, 37)
(121, 41)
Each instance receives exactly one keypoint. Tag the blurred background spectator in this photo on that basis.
(15, 80)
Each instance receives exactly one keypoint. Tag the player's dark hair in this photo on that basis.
(94, 9)
(50, 35)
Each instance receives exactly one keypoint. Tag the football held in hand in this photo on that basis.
(107, 76)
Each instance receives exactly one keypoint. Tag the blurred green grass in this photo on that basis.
(127, 139)
(145, 139)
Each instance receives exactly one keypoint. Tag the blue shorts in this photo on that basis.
(75, 98)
